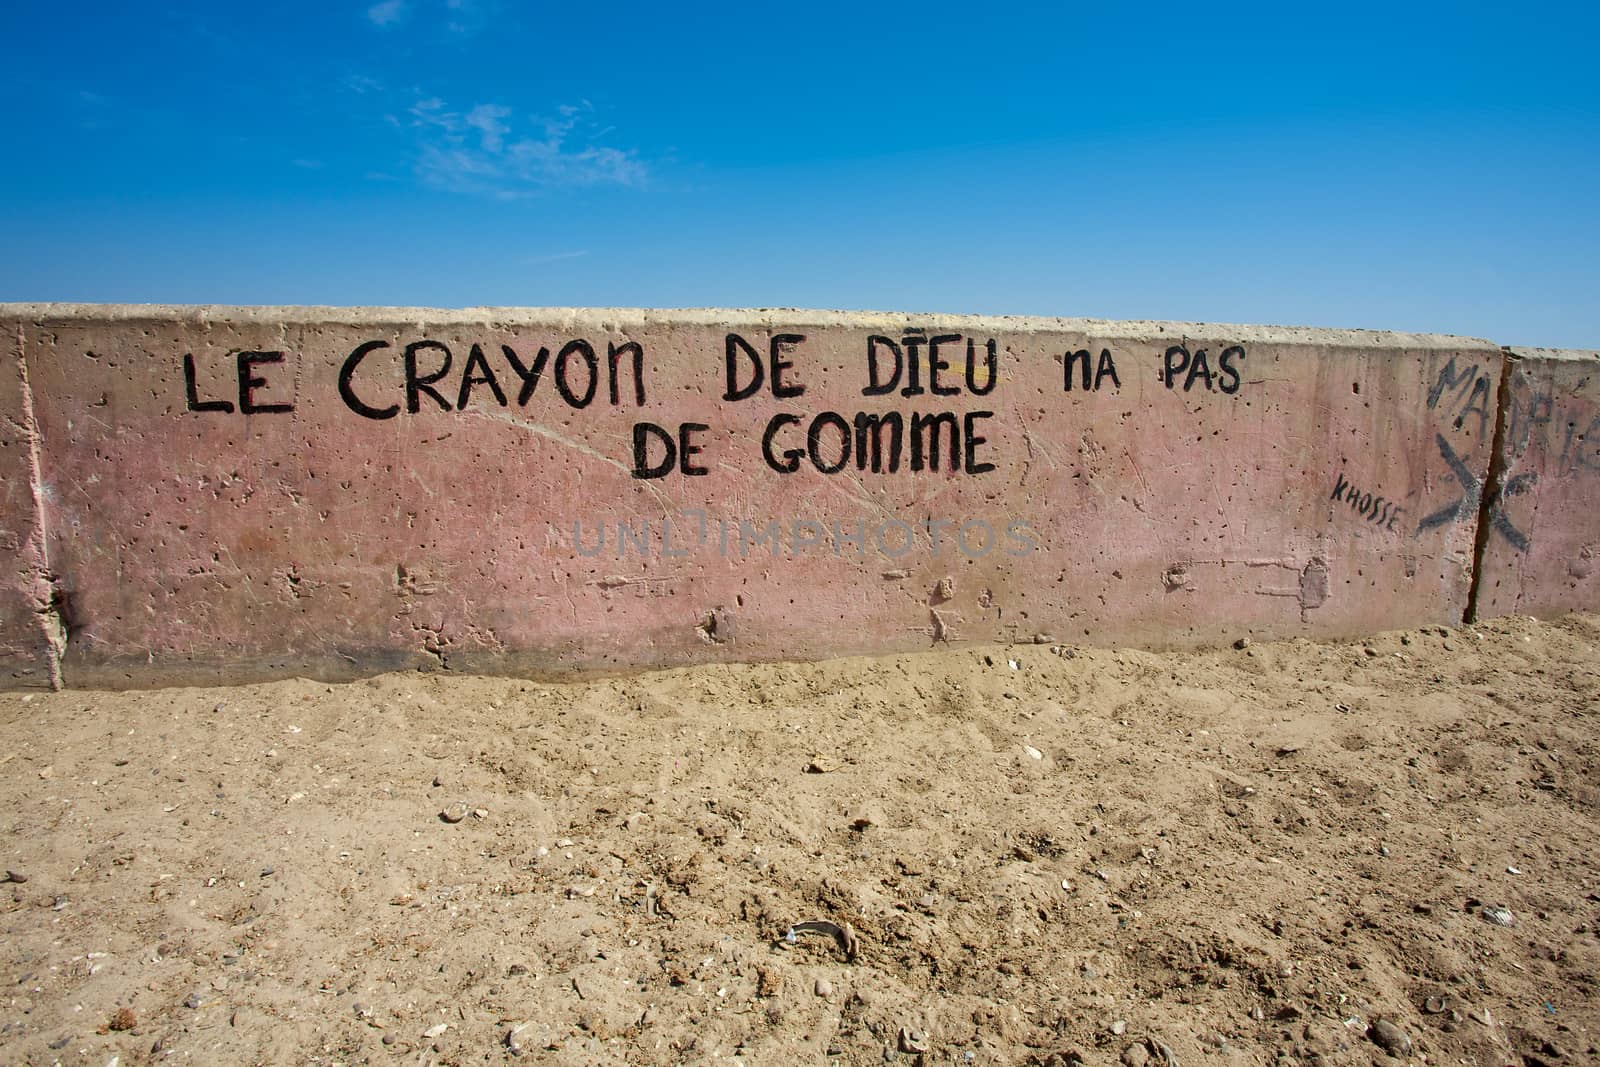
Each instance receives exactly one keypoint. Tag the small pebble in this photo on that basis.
(437, 781)
(16, 876)
(455, 812)
(1389, 1037)
(1498, 915)
(1135, 1055)
(913, 1040)
(824, 988)
(389, 1039)
(1119, 1027)
(193, 1001)
(518, 1039)
(268, 872)
(436, 1030)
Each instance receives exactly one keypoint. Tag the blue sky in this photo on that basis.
(1386, 166)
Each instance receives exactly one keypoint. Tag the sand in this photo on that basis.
(1288, 853)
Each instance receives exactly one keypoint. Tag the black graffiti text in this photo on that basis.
(577, 371)
(1378, 510)
(1535, 415)
(1196, 366)
(888, 361)
(1104, 367)
(1465, 392)
(881, 442)
(649, 438)
(737, 351)
(251, 381)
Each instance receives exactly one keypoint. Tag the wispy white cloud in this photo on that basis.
(465, 18)
(459, 18)
(486, 119)
(361, 84)
(482, 150)
(386, 12)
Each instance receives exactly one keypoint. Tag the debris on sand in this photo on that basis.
(844, 936)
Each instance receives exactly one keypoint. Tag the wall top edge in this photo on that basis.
(1580, 355)
(200, 315)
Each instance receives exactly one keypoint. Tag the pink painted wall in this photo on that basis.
(25, 646)
(197, 544)
(1542, 545)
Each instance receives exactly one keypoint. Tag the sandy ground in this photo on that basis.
(1291, 853)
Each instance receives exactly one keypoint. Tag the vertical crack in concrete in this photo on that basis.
(48, 607)
(1490, 495)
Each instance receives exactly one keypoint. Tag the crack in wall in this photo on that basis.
(50, 608)
(1489, 498)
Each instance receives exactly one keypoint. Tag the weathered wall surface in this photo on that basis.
(1542, 534)
(26, 656)
(242, 493)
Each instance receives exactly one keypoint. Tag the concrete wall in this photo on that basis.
(223, 493)
(27, 652)
(1542, 533)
